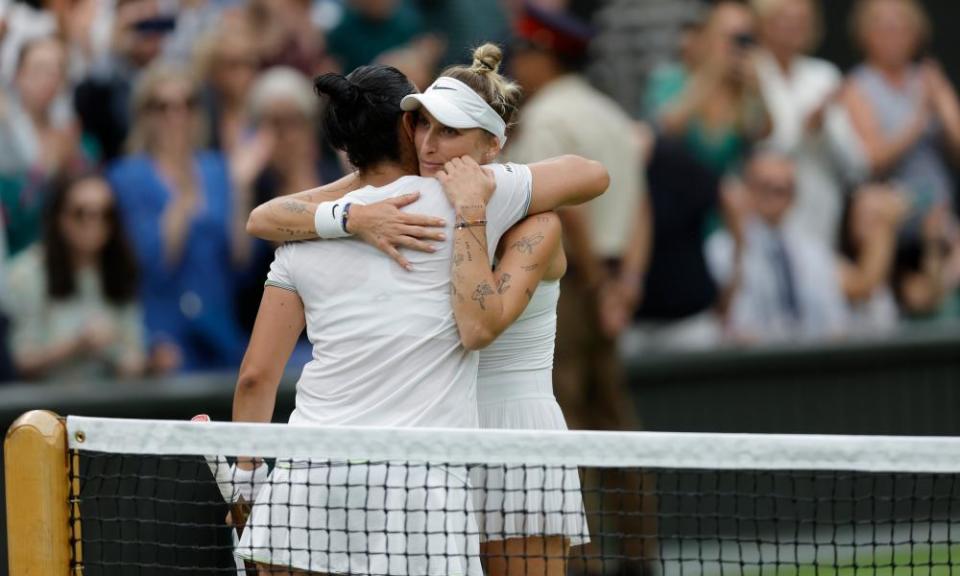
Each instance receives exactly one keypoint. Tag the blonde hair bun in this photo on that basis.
(487, 58)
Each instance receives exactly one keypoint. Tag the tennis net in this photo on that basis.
(430, 502)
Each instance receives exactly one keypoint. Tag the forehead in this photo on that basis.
(89, 191)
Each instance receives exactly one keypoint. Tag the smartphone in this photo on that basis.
(156, 25)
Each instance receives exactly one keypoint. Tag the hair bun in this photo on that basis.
(337, 87)
(487, 58)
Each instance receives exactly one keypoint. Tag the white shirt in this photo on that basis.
(825, 159)
(386, 349)
(757, 310)
(571, 117)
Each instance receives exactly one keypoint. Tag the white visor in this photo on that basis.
(456, 105)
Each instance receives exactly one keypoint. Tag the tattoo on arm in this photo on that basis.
(294, 207)
(293, 234)
(526, 244)
(543, 219)
(458, 258)
(504, 284)
(530, 268)
(480, 294)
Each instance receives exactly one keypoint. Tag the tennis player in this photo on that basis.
(387, 350)
(528, 518)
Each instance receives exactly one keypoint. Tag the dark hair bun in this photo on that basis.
(337, 88)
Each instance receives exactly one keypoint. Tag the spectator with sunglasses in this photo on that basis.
(176, 201)
(779, 283)
(72, 298)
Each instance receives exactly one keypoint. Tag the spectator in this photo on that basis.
(718, 110)
(906, 112)
(606, 239)
(679, 295)
(283, 157)
(801, 93)
(868, 245)
(176, 201)
(927, 274)
(370, 28)
(38, 137)
(137, 36)
(72, 298)
(781, 284)
(286, 35)
(228, 59)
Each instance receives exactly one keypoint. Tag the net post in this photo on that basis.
(38, 495)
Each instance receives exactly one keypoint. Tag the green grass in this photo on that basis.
(918, 560)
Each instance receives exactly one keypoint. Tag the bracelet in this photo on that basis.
(469, 224)
(346, 215)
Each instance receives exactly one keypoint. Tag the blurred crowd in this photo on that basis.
(760, 196)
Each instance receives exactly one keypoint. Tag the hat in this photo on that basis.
(456, 105)
(556, 31)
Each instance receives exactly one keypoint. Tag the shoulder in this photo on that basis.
(26, 274)
(128, 167)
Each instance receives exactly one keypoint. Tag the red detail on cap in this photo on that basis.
(541, 34)
(200, 418)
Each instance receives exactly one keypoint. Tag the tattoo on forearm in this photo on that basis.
(293, 234)
(481, 292)
(526, 244)
(481, 243)
(458, 258)
(530, 268)
(294, 207)
(503, 284)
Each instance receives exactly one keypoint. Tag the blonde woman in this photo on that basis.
(175, 200)
(802, 95)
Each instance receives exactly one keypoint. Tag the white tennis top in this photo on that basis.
(528, 343)
(386, 349)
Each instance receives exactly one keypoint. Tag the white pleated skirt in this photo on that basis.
(380, 519)
(525, 501)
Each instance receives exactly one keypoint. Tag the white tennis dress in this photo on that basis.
(386, 352)
(515, 391)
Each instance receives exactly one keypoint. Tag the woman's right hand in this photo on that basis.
(385, 227)
(466, 184)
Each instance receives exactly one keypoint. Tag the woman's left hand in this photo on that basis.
(385, 227)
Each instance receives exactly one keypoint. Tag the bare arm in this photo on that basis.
(882, 152)
(486, 301)
(290, 217)
(278, 326)
(876, 216)
(566, 181)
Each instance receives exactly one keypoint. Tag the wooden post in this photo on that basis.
(38, 495)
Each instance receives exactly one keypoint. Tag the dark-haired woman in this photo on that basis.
(72, 298)
(387, 351)
(514, 386)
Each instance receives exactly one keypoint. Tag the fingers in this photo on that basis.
(422, 220)
(414, 244)
(404, 199)
(420, 233)
(397, 257)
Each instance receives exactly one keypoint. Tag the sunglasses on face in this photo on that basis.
(162, 106)
(284, 121)
(774, 188)
(86, 214)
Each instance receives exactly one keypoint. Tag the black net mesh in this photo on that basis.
(166, 515)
